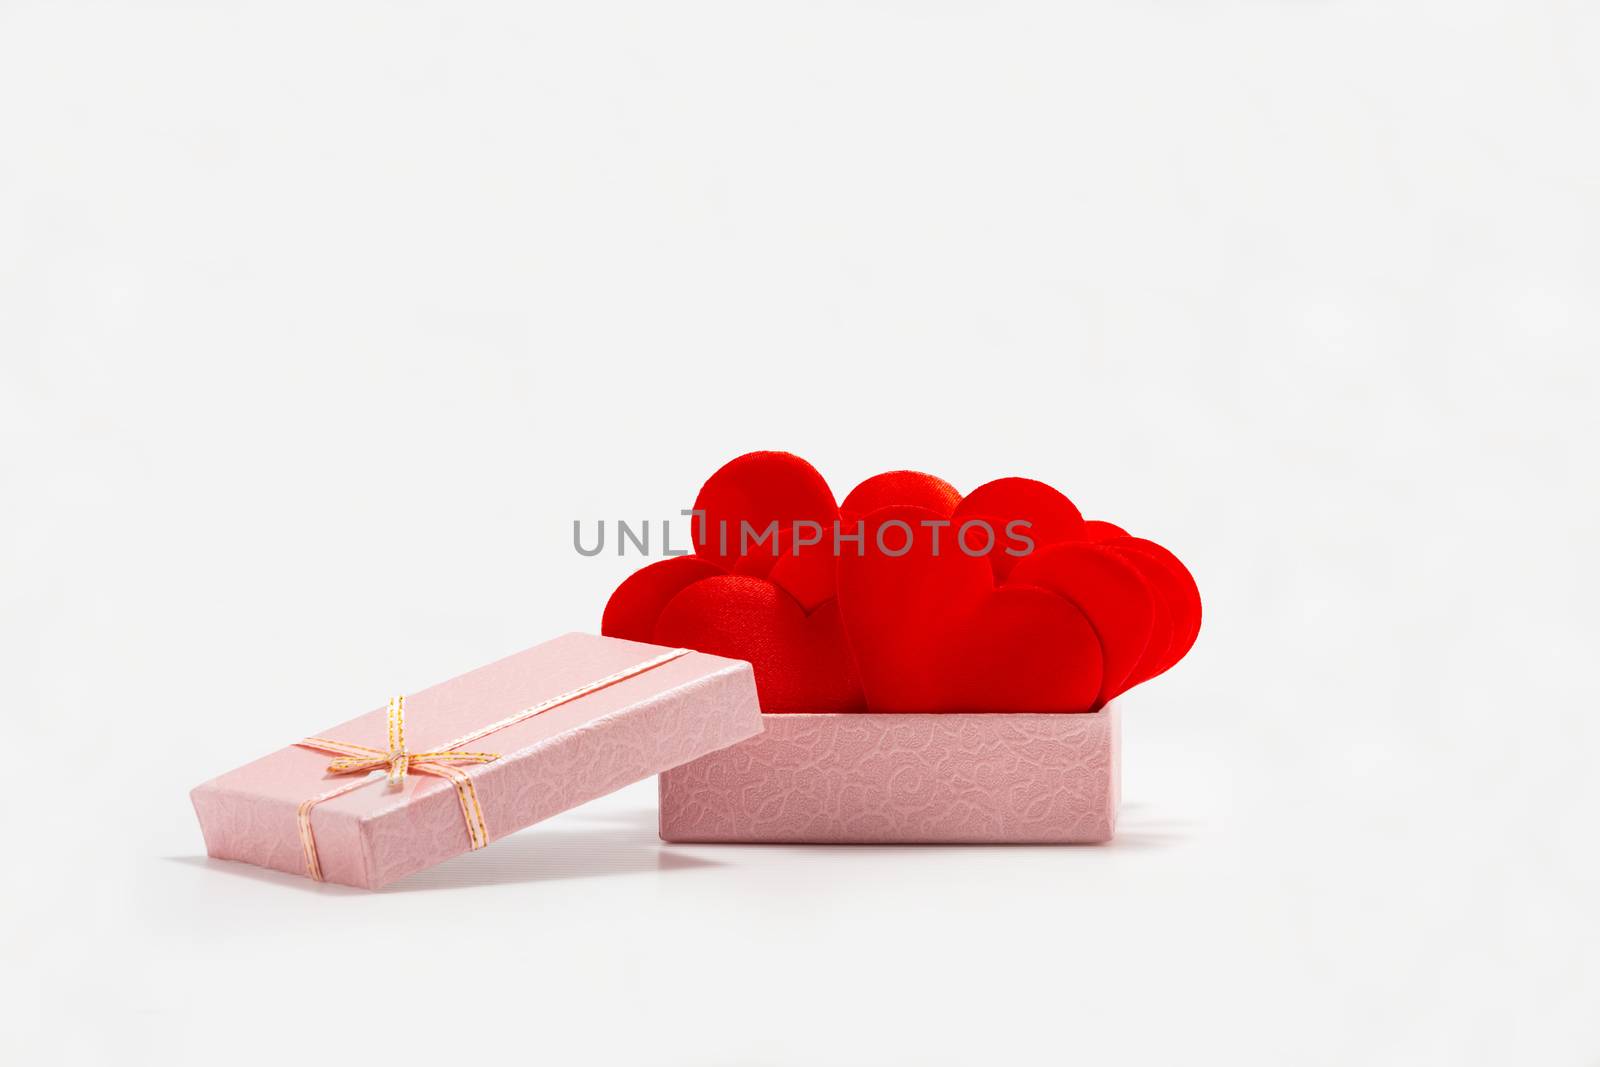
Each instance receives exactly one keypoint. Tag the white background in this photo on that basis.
(321, 322)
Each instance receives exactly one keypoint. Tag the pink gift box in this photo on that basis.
(565, 756)
(903, 779)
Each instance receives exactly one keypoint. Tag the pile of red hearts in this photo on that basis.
(890, 618)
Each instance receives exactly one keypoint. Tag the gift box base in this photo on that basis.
(903, 779)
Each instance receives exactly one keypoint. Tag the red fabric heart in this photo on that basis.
(770, 492)
(1088, 613)
(759, 488)
(1100, 530)
(1021, 648)
(764, 594)
(801, 661)
(1050, 516)
(892, 488)
(1175, 589)
(1109, 590)
(634, 607)
(931, 632)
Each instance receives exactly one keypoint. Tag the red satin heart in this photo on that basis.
(1109, 590)
(1101, 530)
(1050, 516)
(1175, 589)
(770, 492)
(931, 632)
(801, 661)
(1021, 648)
(1087, 614)
(809, 576)
(634, 607)
(759, 488)
(901, 488)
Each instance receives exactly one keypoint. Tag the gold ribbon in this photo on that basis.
(439, 762)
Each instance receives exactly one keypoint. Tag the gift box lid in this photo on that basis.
(572, 719)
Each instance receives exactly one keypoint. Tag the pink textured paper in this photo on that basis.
(908, 779)
(554, 761)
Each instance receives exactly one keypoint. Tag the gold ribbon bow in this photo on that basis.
(359, 759)
(356, 759)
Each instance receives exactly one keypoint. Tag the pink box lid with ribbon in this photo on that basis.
(456, 766)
